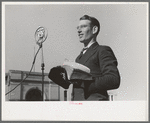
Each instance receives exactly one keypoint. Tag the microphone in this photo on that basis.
(40, 35)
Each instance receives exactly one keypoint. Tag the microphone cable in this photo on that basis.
(27, 74)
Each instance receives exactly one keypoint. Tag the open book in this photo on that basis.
(77, 71)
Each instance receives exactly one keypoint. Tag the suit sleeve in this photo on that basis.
(110, 78)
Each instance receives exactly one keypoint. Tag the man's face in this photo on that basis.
(85, 32)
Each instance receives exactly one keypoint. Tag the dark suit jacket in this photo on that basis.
(103, 65)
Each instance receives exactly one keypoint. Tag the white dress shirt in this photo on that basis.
(88, 46)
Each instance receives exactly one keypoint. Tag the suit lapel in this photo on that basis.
(87, 54)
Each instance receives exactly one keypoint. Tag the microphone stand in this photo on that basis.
(40, 37)
(42, 68)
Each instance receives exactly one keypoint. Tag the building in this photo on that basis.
(31, 88)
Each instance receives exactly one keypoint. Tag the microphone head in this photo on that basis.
(40, 35)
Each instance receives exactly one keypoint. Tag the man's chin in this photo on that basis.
(81, 41)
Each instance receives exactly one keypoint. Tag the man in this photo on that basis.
(99, 59)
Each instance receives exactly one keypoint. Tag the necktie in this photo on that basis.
(82, 52)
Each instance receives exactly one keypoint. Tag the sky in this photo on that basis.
(123, 28)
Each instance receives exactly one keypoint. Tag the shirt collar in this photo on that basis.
(89, 44)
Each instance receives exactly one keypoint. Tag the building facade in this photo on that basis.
(31, 88)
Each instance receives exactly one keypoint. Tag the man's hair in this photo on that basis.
(94, 21)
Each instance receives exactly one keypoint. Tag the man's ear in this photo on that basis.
(95, 29)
